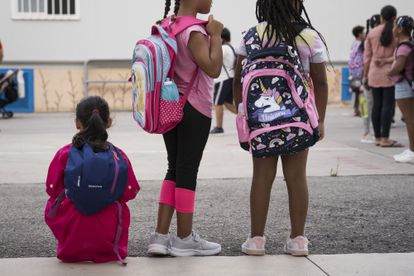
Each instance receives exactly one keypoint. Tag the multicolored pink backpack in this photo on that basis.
(356, 61)
(279, 115)
(157, 103)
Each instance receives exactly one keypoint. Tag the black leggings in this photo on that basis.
(185, 145)
(382, 112)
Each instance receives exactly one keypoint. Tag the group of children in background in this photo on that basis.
(381, 71)
(99, 232)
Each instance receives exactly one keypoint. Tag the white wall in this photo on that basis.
(108, 29)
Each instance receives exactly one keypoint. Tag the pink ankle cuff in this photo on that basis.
(167, 193)
(184, 201)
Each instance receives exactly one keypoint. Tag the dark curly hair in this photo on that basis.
(279, 15)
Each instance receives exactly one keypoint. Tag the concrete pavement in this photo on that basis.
(352, 213)
(28, 143)
(316, 265)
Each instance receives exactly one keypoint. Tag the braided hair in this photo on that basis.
(176, 7)
(388, 13)
(168, 8)
(279, 16)
(407, 25)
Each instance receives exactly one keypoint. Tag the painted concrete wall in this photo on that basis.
(108, 29)
(59, 89)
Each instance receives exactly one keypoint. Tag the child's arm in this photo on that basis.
(208, 57)
(383, 61)
(398, 67)
(132, 187)
(237, 86)
(367, 60)
(320, 82)
(54, 180)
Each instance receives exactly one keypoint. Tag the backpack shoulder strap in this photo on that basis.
(406, 43)
(252, 41)
(299, 27)
(232, 48)
(177, 24)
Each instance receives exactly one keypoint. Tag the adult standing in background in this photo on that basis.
(379, 50)
(223, 90)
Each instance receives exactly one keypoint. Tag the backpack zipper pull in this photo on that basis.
(79, 179)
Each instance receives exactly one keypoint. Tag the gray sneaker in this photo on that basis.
(193, 245)
(159, 244)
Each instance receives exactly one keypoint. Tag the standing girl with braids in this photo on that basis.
(199, 55)
(281, 23)
(402, 72)
(379, 49)
(89, 183)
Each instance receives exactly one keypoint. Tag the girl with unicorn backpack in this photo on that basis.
(281, 89)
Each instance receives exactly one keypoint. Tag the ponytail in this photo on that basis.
(368, 26)
(388, 13)
(93, 115)
(387, 35)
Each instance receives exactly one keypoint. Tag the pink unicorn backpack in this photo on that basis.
(278, 115)
(157, 103)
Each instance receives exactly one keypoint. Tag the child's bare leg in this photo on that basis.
(219, 115)
(407, 110)
(264, 173)
(165, 213)
(231, 107)
(294, 170)
(184, 225)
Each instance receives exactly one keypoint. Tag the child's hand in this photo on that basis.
(321, 130)
(380, 62)
(214, 27)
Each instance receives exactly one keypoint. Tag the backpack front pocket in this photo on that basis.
(281, 140)
(271, 97)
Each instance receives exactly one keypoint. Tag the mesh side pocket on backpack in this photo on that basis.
(170, 112)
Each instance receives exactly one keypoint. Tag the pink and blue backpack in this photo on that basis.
(279, 115)
(157, 103)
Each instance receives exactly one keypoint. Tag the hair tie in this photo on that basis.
(95, 111)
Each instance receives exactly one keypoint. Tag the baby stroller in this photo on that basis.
(8, 92)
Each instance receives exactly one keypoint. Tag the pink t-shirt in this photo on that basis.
(377, 76)
(201, 94)
(405, 51)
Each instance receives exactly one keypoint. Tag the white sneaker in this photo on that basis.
(405, 157)
(254, 246)
(159, 244)
(367, 139)
(297, 247)
(193, 245)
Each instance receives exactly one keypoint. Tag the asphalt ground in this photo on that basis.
(358, 214)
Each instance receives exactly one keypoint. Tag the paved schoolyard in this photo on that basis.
(366, 209)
